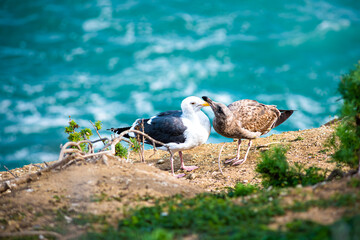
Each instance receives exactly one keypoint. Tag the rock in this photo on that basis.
(161, 161)
(105, 160)
(192, 176)
(68, 219)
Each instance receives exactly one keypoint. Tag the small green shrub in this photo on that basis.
(87, 218)
(159, 234)
(299, 138)
(276, 171)
(348, 132)
(354, 182)
(121, 151)
(98, 125)
(242, 190)
(75, 136)
(135, 145)
(308, 176)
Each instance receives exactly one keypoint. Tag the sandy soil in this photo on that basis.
(112, 189)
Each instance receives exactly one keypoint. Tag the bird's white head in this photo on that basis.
(193, 103)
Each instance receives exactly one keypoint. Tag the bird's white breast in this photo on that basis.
(198, 129)
(197, 132)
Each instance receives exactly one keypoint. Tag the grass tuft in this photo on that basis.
(276, 171)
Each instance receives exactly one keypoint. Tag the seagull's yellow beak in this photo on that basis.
(205, 104)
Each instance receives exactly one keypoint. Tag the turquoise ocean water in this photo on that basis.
(115, 61)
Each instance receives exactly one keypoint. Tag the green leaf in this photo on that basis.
(98, 125)
(86, 132)
(135, 145)
(121, 151)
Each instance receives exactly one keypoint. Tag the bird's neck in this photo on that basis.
(190, 114)
(223, 123)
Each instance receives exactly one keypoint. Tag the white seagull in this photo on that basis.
(179, 129)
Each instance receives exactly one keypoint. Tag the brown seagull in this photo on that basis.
(245, 119)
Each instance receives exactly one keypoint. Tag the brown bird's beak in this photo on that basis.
(208, 100)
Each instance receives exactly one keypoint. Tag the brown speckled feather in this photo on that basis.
(245, 119)
(255, 116)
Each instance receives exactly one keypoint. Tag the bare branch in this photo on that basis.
(154, 147)
(128, 155)
(219, 158)
(97, 132)
(14, 175)
(101, 139)
(120, 138)
(143, 140)
(38, 166)
(266, 145)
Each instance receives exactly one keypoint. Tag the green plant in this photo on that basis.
(348, 132)
(274, 168)
(299, 138)
(276, 171)
(99, 197)
(312, 175)
(120, 150)
(354, 182)
(218, 216)
(242, 190)
(159, 234)
(75, 136)
(86, 218)
(84, 134)
(98, 125)
(135, 145)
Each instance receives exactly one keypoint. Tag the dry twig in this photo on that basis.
(14, 175)
(97, 131)
(266, 145)
(219, 158)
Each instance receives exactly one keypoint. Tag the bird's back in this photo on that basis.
(254, 116)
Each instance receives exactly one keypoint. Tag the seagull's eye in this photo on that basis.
(192, 103)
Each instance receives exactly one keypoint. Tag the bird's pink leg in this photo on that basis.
(186, 168)
(237, 154)
(172, 163)
(172, 166)
(241, 161)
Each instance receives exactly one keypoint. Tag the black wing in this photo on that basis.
(166, 127)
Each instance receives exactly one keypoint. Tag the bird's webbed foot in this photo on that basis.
(238, 162)
(231, 160)
(180, 175)
(189, 168)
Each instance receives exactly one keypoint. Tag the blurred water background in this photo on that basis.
(115, 61)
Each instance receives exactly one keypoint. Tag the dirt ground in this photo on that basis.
(114, 188)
